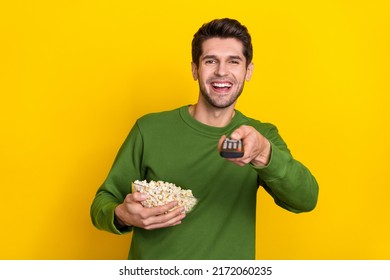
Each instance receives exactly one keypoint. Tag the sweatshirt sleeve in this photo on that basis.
(126, 168)
(287, 180)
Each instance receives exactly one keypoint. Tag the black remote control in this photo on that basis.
(232, 148)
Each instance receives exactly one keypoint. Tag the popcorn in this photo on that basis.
(160, 193)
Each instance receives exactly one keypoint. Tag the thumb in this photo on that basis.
(237, 134)
(240, 132)
(138, 196)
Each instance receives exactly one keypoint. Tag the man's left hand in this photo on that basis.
(257, 149)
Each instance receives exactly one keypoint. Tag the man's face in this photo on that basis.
(222, 71)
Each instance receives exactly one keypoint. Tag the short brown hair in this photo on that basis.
(222, 28)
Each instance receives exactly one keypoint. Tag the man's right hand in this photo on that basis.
(132, 213)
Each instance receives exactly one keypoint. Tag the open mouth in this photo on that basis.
(221, 86)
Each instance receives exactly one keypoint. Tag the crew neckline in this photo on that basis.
(207, 129)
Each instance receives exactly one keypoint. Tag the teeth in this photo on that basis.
(221, 85)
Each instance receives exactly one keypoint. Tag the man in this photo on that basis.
(181, 146)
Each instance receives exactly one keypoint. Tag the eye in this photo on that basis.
(210, 61)
(235, 62)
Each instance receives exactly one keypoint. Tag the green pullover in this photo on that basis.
(174, 147)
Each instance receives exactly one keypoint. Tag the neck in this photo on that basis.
(212, 116)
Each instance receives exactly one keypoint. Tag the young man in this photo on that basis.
(181, 146)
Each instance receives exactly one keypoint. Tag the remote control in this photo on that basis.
(232, 148)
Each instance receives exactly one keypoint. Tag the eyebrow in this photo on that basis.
(215, 57)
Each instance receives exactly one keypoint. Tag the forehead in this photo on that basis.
(222, 47)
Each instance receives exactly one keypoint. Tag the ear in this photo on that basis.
(194, 71)
(249, 71)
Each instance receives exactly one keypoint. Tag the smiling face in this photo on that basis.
(222, 72)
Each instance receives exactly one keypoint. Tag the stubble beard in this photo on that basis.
(219, 101)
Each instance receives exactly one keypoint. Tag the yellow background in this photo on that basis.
(75, 75)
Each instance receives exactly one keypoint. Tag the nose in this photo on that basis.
(221, 69)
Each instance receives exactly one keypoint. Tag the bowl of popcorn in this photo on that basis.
(160, 193)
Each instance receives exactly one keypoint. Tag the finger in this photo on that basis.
(250, 148)
(239, 162)
(159, 210)
(136, 197)
(170, 219)
(164, 220)
(240, 132)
